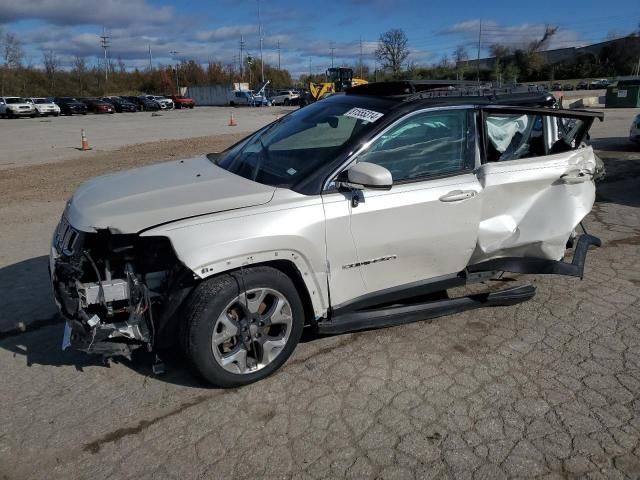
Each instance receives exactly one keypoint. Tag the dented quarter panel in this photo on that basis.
(528, 210)
(290, 228)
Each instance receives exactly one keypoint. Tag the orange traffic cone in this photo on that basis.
(232, 122)
(85, 144)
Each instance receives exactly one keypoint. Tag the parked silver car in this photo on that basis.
(44, 106)
(164, 102)
(13, 107)
(285, 97)
(355, 212)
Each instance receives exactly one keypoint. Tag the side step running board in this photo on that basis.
(541, 265)
(401, 314)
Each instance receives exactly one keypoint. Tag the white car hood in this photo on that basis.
(134, 200)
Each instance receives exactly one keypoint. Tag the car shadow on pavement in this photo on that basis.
(622, 181)
(617, 144)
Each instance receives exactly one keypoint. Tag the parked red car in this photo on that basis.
(182, 102)
(96, 105)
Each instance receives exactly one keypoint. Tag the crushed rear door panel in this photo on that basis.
(531, 206)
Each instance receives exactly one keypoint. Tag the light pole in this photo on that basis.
(174, 54)
(260, 33)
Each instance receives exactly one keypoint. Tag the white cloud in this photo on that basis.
(92, 12)
(515, 36)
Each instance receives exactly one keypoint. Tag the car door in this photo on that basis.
(537, 181)
(426, 225)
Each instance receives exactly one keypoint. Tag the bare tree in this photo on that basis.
(538, 45)
(392, 50)
(51, 66)
(12, 53)
(460, 56)
(80, 69)
(122, 67)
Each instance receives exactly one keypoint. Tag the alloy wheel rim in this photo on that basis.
(252, 330)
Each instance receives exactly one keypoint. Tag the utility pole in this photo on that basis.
(260, 33)
(278, 54)
(174, 54)
(478, 60)
(242, 45)
(309, 68)
(360, 56)
(332, 48)
(104, 41)
(150, 60)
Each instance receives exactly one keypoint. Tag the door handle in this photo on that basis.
(576, 176)
(458, 195)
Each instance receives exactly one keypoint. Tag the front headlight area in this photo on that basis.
(110, 286)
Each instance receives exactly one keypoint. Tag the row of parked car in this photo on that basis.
(583, 85)
(13, 107)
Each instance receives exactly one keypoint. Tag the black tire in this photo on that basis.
(207, 302)
(232, 103)
(286, 102)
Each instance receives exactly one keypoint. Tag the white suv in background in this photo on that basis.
(12, 107)
(634, 130)
(285, 97)
(165, 103)
(44, 106)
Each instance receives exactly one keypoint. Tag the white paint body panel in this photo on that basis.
(291, 227)
(426, 236)
(527, 210)
(218, 221)
(128, 202)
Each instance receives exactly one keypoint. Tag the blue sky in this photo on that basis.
(210, 30)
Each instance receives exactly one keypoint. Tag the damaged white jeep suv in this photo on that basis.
(355, 212)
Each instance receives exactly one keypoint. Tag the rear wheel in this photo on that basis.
(241, 327)
(286, 102)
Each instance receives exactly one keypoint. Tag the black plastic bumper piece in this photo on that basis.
(541, 265)
(401, 314)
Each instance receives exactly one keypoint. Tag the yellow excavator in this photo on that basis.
(338, 80)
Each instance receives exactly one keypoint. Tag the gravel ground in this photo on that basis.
(545, 389)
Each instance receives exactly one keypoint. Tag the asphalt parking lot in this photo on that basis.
(32, 141)
(545, 389)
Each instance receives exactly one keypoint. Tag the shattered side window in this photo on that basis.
(514, 136)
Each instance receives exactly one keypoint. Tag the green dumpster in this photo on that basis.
(624, 94)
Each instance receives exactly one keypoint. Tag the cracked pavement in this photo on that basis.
(546, 389)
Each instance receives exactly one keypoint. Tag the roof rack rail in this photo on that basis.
(435, 89)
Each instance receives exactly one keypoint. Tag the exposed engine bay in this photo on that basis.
(112, 288)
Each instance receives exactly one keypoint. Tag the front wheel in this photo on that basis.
(242, 326)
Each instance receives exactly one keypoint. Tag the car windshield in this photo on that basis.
(40, 100)
(290, 149)
(16, 100)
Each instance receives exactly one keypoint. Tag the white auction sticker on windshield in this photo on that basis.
(364, 114)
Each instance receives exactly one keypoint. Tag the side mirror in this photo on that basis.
(368, 175)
